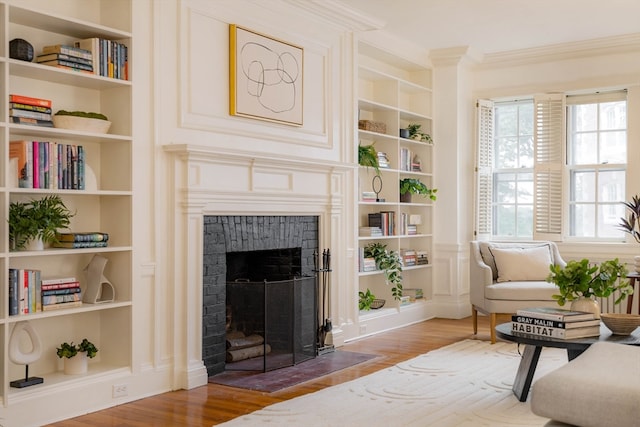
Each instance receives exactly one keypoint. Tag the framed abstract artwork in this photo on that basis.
(265, 77)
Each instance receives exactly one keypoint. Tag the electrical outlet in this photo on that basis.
(120, 390)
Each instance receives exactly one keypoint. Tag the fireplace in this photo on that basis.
(259, 288)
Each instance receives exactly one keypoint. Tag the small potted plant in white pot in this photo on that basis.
(76, 356)
(37, 221)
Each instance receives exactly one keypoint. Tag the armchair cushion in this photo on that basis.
(523, 263)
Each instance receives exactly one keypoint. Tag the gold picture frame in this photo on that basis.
(265, 77)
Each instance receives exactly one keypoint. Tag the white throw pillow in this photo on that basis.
(516, 264)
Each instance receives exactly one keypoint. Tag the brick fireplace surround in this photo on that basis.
(227, 234)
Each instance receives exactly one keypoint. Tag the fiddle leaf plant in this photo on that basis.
(581, 279)
(390, 263)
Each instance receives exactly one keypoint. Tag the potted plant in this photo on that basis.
(390, 263)
(409, 186)
(365, 299)
(37, 221)
(416, 134)
(579, 282)
(75, 356)
(368, 157)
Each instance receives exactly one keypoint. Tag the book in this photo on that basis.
(21, 152)
(21, 99)
(27, 107)
(29, 114)
(549, 332)
(31, 122)
(13, 292)
(60, 299)
(63, 57)
(60, 306)
(558, 314)
(68, 68)
(80, 245)
(59, 286)
(64, 291)
(67, 50)
(555, 323)
(68, 64)
(58, 280)
(94, 236)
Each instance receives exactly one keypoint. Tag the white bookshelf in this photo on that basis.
(397, 93)
(105, 205)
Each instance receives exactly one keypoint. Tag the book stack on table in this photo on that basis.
(555, 323)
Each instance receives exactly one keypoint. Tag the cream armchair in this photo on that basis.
(509, 276)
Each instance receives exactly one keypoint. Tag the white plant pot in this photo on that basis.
(76, 365)
(589, 305)
(35, 245)
(636, 263)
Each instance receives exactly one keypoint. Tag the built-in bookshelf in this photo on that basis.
(104, 205)
(394, 93)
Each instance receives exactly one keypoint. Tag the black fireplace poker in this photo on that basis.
(323, 293)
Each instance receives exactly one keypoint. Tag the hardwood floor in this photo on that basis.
(213, 404)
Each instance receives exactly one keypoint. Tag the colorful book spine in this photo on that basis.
(21, 99)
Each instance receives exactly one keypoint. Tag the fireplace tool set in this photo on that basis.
(323, 296)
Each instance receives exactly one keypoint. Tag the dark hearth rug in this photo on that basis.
(291, 375)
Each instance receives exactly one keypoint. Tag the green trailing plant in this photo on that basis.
(415, 186)
(86, 115)
(70, 350)
(368, 157)
(365, 299)
(390, 263)
(418, 135)
(631, 224)
(582, 279)
(37, 219)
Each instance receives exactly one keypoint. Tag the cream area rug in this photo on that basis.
(465, 384)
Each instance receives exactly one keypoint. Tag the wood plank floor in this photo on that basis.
(213, 404)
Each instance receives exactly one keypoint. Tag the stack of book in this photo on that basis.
(60, 293)
(370, 232)
(408, 257)
(384, 221)
(24, 291)
(366, 263)
(413, 293)
(555, 323)
(25, 110)
(368, 196)
(66, 57)
(45, 164)
(94, 239)
(406, 159)
(383, 160)
(422, 258)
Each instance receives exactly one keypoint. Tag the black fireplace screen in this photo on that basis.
(270, 324)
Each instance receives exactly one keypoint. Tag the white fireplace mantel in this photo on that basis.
(210, 181)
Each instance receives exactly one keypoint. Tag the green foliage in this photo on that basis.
(418, 135)
(89, 115)
(415, 186)
(631, 224)
(579, 279)
(365, 300)
(390, 263)
(37, 219)
(69, 350)
(368, 156)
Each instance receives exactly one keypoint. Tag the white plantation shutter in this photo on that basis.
(484, 166)
(549, 130)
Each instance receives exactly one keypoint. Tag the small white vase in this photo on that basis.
(589, 305)
(76, 365)
(636, 263)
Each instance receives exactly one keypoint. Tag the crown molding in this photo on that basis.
(338, 14)
(585, 48)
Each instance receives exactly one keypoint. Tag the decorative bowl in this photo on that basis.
(377, 303)
(84, 124)
(620, 323)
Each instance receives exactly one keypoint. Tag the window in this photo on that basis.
(526, 174)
